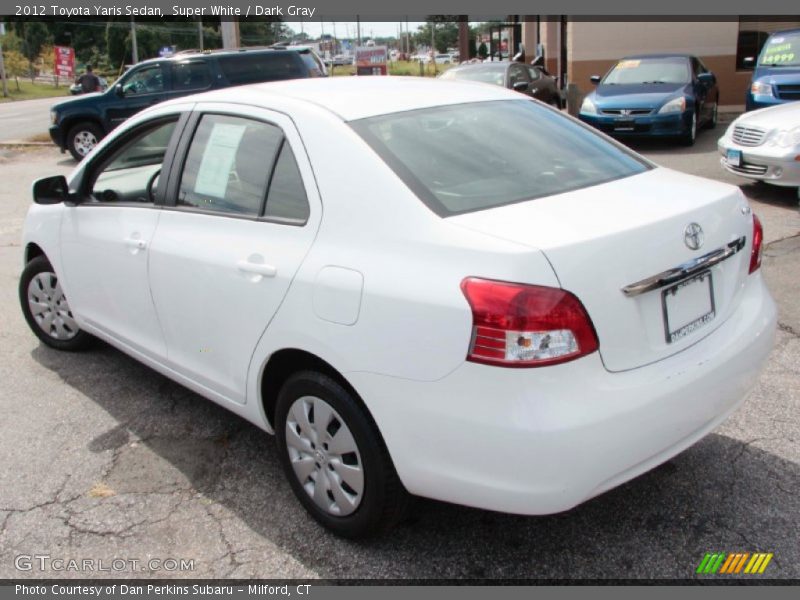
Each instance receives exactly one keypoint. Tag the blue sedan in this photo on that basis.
(663, 95)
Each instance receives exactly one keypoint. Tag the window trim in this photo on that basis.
(99, 162)
(182, 154)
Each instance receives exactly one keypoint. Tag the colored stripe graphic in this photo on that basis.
(723, 563)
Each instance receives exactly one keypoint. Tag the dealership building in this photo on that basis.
(577, 48)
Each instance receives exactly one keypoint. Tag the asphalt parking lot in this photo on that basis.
(105, 459)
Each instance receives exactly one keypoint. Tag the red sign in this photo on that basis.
(371, 60)
(65, 62)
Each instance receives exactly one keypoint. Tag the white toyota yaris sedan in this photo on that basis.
(337, 261)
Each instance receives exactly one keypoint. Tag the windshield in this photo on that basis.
(482, 74)
(649, 70)
(781, 50)
(468, 157)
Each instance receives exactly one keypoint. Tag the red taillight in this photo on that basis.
(516, 325)
(758, 238)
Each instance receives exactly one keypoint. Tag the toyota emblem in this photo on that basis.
(693, 236)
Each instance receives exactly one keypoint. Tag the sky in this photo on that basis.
(368, 29)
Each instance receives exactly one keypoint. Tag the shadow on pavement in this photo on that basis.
(720, 495)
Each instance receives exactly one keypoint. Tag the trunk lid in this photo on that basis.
(603, 238)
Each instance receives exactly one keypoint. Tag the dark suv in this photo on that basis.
(78, 124)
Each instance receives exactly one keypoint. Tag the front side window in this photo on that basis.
(517, 74)
(148, 80)
(131, 172)
(228, 165)
(470, 157)
(637, 71)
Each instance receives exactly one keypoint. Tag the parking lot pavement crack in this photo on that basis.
(56, 500)
(230, 552)
(788, 329)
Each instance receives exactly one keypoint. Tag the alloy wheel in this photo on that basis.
(84, 142)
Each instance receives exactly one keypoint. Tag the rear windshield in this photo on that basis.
(649, 71)
(781, 50)
(253, 68)
(486, 74)
(467, 157)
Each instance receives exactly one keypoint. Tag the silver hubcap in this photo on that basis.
(694, 125)
(84, 142)
(49, 307)
(324, 456)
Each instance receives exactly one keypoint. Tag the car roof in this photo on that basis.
(663, 55)
(187, 54)
(352, 98)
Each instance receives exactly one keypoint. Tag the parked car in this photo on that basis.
(527, 79)
(519, 334)
(776, 78)
(79, 123)
(341, 60)
(764, 145)
(654, 95)
(443, 59)
(76, 89)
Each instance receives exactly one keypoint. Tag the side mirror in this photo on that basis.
(749, 61)
(520, 86)
(707, 78)
(51, 190)
(595, 79)
(119, 91)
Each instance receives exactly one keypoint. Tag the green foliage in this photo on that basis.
(16, 64)
(483, 51)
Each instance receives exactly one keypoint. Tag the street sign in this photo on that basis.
(65, 62)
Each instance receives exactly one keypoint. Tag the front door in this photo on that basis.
(244, 214)
(105, 238)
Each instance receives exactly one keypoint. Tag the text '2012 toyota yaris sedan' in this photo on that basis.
(337, 261)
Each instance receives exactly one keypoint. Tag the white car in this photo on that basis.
(765, 145)
(519, 334)
(443, 59)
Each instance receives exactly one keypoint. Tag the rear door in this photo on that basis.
(243, 211)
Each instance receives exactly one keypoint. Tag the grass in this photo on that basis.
(397, 67)
(31, 91)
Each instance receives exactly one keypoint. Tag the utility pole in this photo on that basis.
(200, 32)
(2, 63)
(433, 45)
(230, 33)
(358, 29)
(135, 49)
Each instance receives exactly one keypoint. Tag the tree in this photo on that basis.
(483, 51)
(16, 64)
(445, 36)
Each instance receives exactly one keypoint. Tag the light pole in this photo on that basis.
(135, 49)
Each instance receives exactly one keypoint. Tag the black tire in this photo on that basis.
(384, 500)
(79, 340)
(690, 137)
(79, 138)
(712, 121)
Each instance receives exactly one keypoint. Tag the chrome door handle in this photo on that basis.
(136, 243)
(257, 268)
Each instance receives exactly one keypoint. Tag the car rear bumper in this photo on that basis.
(652, 125)
(763, 163)
(540, 441)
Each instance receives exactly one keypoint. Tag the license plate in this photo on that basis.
(734, 158)
(624, 125)
(688, 306)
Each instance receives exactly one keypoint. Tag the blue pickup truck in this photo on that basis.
(776, 78)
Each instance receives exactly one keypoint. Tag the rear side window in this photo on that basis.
(287, 196)
(190, 76)
(314, 65)
(253, 68)
(468, 157)
(228, 165)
